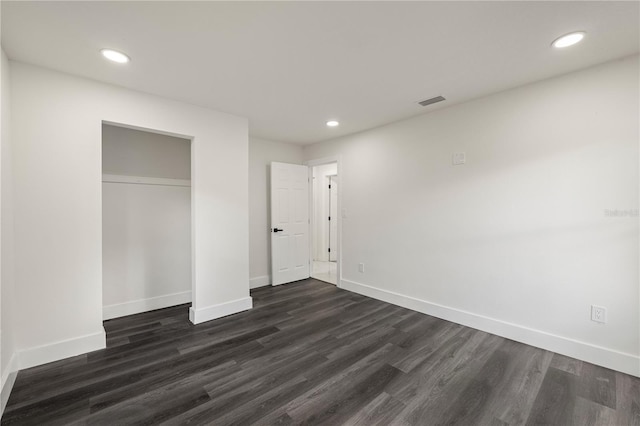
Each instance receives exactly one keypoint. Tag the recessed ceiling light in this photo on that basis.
(568, 39)
(332, 123)
(115, 56)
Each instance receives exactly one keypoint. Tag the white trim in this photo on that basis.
(322, 161)
(144, 305)
(340, 172)
(262, 281)
(218, 311)
(148, 130)
(12, 367)
(143, 180)
(619, 361)
(8, 379)
(63, 349)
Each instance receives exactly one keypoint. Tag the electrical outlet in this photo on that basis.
(459, 158)
(598, 314)
(361, 267)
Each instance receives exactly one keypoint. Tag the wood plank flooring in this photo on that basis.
(309, 353)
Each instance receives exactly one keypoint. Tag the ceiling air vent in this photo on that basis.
(432, 101)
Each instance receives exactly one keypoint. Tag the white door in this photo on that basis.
(289, 222)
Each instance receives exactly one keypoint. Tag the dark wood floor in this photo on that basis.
(309, 353)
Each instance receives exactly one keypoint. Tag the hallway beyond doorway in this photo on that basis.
(325, 271)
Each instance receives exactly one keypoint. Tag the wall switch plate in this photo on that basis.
(361, 267)
(598, 314)
(459, 158)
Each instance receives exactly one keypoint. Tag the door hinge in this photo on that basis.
(329, 186)
(329, 217)
(329, 249)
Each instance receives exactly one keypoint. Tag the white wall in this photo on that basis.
(56, 137)
(261, 154)
(321, 209)
(8, 358)
(132, 152)
(146, 238)
(515, 242)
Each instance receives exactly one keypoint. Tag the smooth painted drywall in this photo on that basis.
(261, 153)
(7, 291)
(3, 95)
(136, 153)
(146, 243)
(520, 233)
(146, 229)
(56, 128)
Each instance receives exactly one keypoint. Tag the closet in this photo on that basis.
(146, 221)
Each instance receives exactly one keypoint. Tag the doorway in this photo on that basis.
(146, 221)
(324, 227)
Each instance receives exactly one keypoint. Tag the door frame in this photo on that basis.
(311, 164)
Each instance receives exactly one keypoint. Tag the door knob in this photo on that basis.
(277, 230)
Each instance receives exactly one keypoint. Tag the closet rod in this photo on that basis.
(143, 180)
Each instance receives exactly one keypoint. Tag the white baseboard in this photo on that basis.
(260, 281)
(145, 305)
(209, 313)
(619, 361)
(8, 379)
(63, 349)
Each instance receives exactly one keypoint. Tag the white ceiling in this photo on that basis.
(291, 66)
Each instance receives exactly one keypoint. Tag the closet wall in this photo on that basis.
(146, 208)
